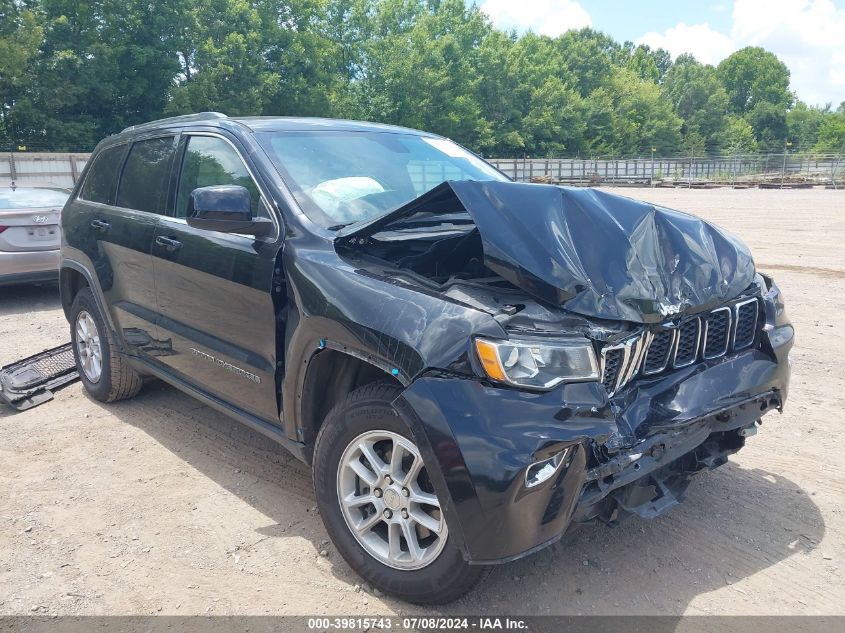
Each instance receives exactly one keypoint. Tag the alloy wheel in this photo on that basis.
(388, 501)
(88, 346)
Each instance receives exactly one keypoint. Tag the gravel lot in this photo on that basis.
(162, 505)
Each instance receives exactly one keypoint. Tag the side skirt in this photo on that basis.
(297, 449)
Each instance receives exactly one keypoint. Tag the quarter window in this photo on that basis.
(212, 161)
(144, 183)
(102, 177)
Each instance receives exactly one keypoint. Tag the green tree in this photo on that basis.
(20, 37)
(554, 119)
(641, 117)
(831, 137)
(422, 68)
(803, 123)
(600, 137)
(590, 57)
(698, 97)
(768, 121)
(102, 65)
(254, 57)
(648, 64)
(73, 71)
(693, 144)
(223, 65)
(498, 81)
(739, 136)
(536, 93)
(752, 76)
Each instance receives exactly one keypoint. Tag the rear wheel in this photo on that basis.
(378, 503)
(105, 373)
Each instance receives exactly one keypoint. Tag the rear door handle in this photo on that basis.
(100, 225)
(168, 243)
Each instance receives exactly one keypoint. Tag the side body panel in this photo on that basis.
(218, 298)
(216, 309)
(394, 326)
(118, 257)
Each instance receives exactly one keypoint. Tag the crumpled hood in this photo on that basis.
(592, 252)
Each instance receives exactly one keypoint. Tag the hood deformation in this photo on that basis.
(588, 251)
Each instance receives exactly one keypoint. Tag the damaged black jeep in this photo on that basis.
(471, 365)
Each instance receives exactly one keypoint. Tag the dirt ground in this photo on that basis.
(162, 505)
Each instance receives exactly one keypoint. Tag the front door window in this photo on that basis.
(212, 161)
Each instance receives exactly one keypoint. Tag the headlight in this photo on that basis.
(541, 365)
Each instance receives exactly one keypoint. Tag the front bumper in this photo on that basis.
(482, 438)
(20, 267)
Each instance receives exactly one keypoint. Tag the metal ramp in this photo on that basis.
(31, 381)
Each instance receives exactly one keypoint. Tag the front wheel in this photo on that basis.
(378, 503)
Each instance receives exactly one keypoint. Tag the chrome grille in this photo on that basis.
(717, 332)
(745, 320)
(657, 356)
(686, 351)
(612, 360)
(705, 337)
(621, 362)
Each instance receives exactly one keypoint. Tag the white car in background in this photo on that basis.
(29, 234)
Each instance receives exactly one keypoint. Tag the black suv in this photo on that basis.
(471, 365)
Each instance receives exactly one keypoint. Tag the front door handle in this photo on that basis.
(168, 243)
(100, 225)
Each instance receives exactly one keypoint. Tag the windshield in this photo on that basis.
(339, 177)
(31, 198)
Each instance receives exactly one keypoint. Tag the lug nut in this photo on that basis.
(404, 513)
(388, 480)
(377, 493)
(387, 514)
(406, 492)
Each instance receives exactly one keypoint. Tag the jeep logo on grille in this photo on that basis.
(40, 219)
(668, 309)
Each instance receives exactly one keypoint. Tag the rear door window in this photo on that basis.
(146, 175)
(102, 177)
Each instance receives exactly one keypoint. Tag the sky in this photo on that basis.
(807, 35)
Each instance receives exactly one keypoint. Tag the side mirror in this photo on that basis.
(225, 208)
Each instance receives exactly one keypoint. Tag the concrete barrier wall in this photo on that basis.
(41, 169)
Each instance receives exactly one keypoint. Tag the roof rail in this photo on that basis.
(185, 118)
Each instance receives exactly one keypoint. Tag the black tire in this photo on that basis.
(117, 380)
(446, 578)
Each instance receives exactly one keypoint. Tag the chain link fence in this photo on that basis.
(741, 170)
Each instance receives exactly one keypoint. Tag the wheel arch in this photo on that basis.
(71, 281)
(73, 276)
(331, 375)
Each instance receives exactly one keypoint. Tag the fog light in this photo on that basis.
(538, 472)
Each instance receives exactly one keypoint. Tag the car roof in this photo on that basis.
(299, 124)
(260, 124)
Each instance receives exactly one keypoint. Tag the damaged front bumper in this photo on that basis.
(603, 457)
